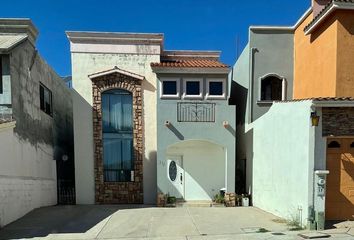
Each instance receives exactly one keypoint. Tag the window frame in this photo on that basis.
(118, 135)
(201, 88)
(224, 89)
(170, 96)
(50, 99)
(283, 88)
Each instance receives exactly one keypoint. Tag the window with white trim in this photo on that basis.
(272, 88)
(169, 88)
(216, 89)
(193, 88)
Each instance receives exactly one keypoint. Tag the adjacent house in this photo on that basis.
(294, 91)
(149, 121)
(35, 124)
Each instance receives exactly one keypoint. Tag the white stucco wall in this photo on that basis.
(27, 176)
(84, 64)
(204, 165)
(283, 160)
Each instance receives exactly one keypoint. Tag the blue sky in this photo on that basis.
(186, 24)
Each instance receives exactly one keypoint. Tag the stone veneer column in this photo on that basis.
(118, 192)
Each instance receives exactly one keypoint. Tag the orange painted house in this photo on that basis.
(324, 51)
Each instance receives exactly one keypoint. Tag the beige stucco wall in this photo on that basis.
(84, 64)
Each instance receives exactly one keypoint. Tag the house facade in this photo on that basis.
(35, 126)
(195, 126)
(128, 119)
(296, 167)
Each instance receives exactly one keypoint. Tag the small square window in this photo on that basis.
(193, 88)
(216, 88)
(169, 87)
(45, 96)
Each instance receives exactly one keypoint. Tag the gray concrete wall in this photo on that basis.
(179, 132)
(28, 70)
(37, 139)
(274, 54)
(269, 51)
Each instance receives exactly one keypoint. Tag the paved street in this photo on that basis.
(144, 222)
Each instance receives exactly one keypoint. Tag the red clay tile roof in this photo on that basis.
(321, 99)
(193, 63)
(324, 10)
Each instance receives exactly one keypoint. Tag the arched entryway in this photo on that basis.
(195, 169)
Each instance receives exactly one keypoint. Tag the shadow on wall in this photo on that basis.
(239, 98)
(317, 33)
(150, 178)
(60, 219)
(178, 134)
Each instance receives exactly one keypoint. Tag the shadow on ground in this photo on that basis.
(59, 219)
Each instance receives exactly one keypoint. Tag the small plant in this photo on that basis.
(171, 199)
(294, 224)
(219, 198)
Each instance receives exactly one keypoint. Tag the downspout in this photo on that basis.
(251, 76)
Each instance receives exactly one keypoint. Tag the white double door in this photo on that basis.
(176, 176)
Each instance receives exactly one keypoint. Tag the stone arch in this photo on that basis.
(118, 192)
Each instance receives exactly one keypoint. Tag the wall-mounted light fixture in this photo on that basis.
(315, 119)
(225, 124)
(167, 123)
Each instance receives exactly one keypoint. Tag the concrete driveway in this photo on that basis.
(144, 222)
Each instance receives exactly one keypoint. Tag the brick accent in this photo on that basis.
(338, 121)
(118, 192)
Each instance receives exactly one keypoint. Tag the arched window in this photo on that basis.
(117, 122)
(272, 88)
(334, 144)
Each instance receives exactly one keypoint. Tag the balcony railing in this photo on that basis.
(195, 112)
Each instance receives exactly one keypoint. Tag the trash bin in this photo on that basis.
(222, 192)
(245, 201)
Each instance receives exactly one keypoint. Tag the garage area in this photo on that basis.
(340, 180)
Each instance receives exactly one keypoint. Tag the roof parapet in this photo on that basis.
(115, 37)
(19, 26)
(189, 55)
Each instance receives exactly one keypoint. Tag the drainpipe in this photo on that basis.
(251, 76)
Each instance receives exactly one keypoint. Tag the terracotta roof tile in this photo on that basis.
(193, 63)
(324, 10)
(321, 99)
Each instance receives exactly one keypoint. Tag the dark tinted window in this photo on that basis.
(117, 119)
(271, 89)
(215, 88)
(352, 145)
(45, 96)
(334, 144)
(169, 87)
(193, 88)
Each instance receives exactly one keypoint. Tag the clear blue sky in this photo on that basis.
(186, 24)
